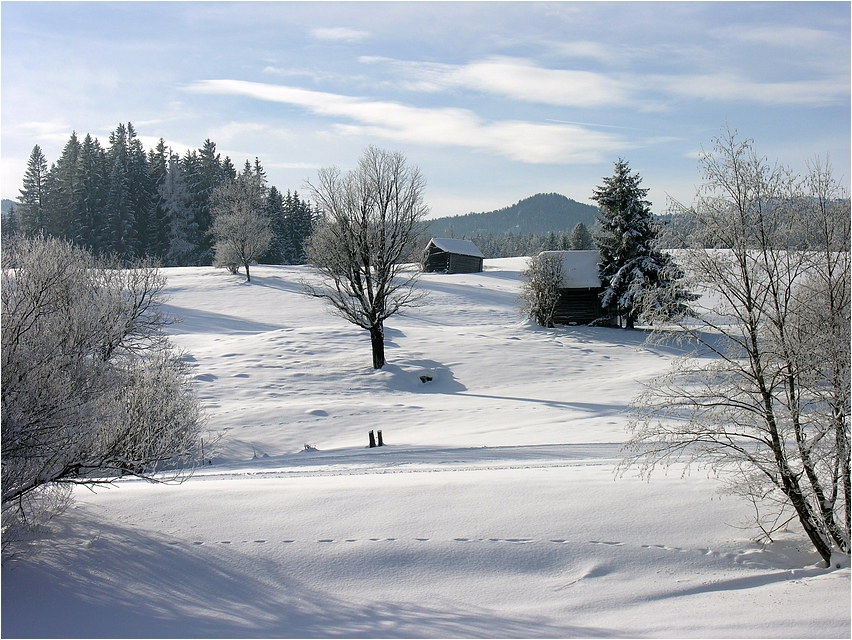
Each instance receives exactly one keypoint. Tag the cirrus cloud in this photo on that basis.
(527, 142)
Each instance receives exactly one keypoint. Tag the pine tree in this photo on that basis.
(210, 174)
(10, 224)
(277, 215)
(90, 197)
(176, 201)
(630, 264)
(141, 195)
(299, 225)
(61, 190)
(32, 214)
(120, 233)
(581, 239)
(158, 167)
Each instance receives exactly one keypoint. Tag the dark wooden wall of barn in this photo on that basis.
(581, 306)
(464, 264)
(439, 260)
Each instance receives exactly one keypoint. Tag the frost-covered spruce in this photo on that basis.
(632, 270)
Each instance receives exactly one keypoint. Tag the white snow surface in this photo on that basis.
(492, 511)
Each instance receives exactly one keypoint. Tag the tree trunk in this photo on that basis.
(248, 275)
(377, 339)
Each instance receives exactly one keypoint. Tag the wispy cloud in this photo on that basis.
(55, 130)
(514, 78)
(341, 34)
(780, 36)
(522, 141)
(522, 80)
(736, 88)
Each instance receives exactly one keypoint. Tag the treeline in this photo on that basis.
(121, 200)
(511, 244)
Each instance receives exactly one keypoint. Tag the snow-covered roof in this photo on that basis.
(579, 268)
(461, 247)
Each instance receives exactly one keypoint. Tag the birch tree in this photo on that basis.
(764, 397)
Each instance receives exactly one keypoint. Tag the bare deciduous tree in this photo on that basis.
(765, 395)
(540, 283)
(368, 226)
(241, 225)
(91, 388)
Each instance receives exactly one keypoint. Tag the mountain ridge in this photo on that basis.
(539, 214)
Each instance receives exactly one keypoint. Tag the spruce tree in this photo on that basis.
(158, 167)
(31, 211)
(90, 197)
(62, 188)
(176, 200)
(141, 195)
(630, 264)
(581, 239)
(120, 233)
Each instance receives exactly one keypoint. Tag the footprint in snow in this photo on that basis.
(326, 540)
(609, 544)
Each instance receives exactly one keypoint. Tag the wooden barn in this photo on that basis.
(450, 255)
(579, 299)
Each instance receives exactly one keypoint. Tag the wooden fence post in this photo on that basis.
(379, 433)
(372, 439)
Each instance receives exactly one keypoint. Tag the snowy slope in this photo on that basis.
(493, 511)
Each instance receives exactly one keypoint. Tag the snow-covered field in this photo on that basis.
(493, 510)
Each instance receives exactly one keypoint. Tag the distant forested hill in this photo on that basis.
(538, 214)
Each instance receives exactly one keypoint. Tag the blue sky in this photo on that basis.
(493, 101)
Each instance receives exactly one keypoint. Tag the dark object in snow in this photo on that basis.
(425, 379)
(372, 439)
(450, 255)
(379, 434)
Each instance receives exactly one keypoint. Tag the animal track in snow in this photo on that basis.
(609, 544)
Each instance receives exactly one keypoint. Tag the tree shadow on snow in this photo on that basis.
(421, 376)
(98, 579)
(197, 321)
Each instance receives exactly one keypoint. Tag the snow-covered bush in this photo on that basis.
(540, 282)
(91, 388)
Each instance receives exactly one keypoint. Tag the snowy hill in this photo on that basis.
(492, 511)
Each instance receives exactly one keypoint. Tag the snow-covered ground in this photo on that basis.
(493, 510)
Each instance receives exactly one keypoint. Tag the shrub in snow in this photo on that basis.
(91, 389)
(540, 283)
